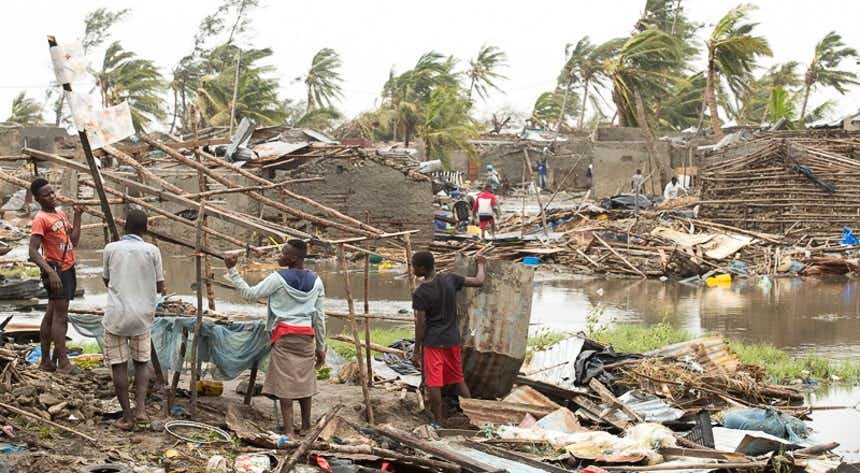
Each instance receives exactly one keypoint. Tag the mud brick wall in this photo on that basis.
(364, 189)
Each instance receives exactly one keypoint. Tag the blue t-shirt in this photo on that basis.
(541, 168)
(301, 279)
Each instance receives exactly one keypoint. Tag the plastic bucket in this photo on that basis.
(531, 261)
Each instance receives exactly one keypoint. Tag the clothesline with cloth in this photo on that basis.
(231, 348)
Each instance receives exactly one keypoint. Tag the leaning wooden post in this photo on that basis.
(366, 319)
(540, 205)
(88, 152)
(201, 184)
(174, 382)
(407, 240)
(365, 391)
(195, 342)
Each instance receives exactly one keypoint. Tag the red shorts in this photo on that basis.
(486, 221)
(442, 366)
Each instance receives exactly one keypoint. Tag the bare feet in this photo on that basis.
(47, 366)
(141, 418)
(124, 424)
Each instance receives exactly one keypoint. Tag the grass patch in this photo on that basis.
(379, 336)
(639, 339)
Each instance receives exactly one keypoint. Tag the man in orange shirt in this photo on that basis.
(57, 238)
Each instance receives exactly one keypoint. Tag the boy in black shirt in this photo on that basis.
(437, 336)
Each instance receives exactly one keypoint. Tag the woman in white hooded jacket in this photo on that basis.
(296, 322)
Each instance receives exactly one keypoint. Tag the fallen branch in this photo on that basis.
(46, 421)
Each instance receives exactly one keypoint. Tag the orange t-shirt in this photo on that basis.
(55, 229)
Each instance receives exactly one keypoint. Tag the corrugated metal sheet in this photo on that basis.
(494, 321)
(503, 464)
(276, 149)
(650, 407)
(556, 364)
(483, 412)
(709, 352)
(319, 136)
(528, 395)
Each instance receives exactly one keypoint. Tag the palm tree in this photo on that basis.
(256, 92)
(25, 111)
(125, 77)
(447, 126)
(549, 106)
(586, 64)
(732, 51)
(483, 70)
(823, 69)
(323, 79)
(639, 66)
(685, 101)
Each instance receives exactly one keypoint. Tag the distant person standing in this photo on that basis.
(589, 175)
(493, 178)
(636, 182)
(437, 334)
(673, 188)
(52, 232)
(134, 276)
(541, 172)
(485, 209)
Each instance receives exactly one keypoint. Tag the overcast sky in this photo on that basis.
(372, 36)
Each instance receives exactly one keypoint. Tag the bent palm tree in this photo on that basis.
(25, 111)
(732, 51)
(447, 126)
(125, 77)
(823, 69)
(323, 79)
(483, 71)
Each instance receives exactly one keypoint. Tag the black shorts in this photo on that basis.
(70, 284)
(485, 218)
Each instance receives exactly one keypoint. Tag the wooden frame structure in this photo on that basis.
(210, 168)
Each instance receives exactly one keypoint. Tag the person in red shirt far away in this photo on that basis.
(52, 232)
(486, 208)
(437, 336)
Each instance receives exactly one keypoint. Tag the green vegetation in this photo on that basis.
(25, 111)
(379, 336)
(20, 272)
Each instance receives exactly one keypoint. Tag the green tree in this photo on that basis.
(586, 65)
(824, 68)
(684, 103)
(751, 105)
(323, 80)
(256, 92)
(124, 76)
(732, 52)
(447, 126)
(97, 25)
(25, 112)
(639, 66)
(483, 72)
(550, 105)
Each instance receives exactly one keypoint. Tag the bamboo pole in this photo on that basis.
(288, 465)
(254, 188)
(128, 160)
(612, 250)
(367, 311)
(365, 390)
(195, 342)
(202, 186)
(407, 239)
(540, 205)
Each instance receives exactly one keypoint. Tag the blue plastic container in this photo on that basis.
(531, 261)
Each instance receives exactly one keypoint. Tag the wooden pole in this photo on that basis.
(174, 382)
(202, 187)
(366, 312)
(407, 239)
(91, 164)
(195, 342)
(252, 383)
(540, 205)
(525, 194)
(309, 440)
(365, 391)
(46, 421)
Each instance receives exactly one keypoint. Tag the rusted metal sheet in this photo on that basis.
(494, 322)
(557, 364)
(709, 352)
(530, 396)
(483, 412)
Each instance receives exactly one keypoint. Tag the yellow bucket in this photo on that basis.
(721, 280)
(209, 388)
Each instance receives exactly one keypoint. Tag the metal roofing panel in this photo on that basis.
(482, 412)
(709, 352)
(319, 136)
(556, 364)
(529, 395)
(276, 149)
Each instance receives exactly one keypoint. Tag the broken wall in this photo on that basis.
(365, 189)
(616, 162)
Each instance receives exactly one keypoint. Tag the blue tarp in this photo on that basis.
(232, 348)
